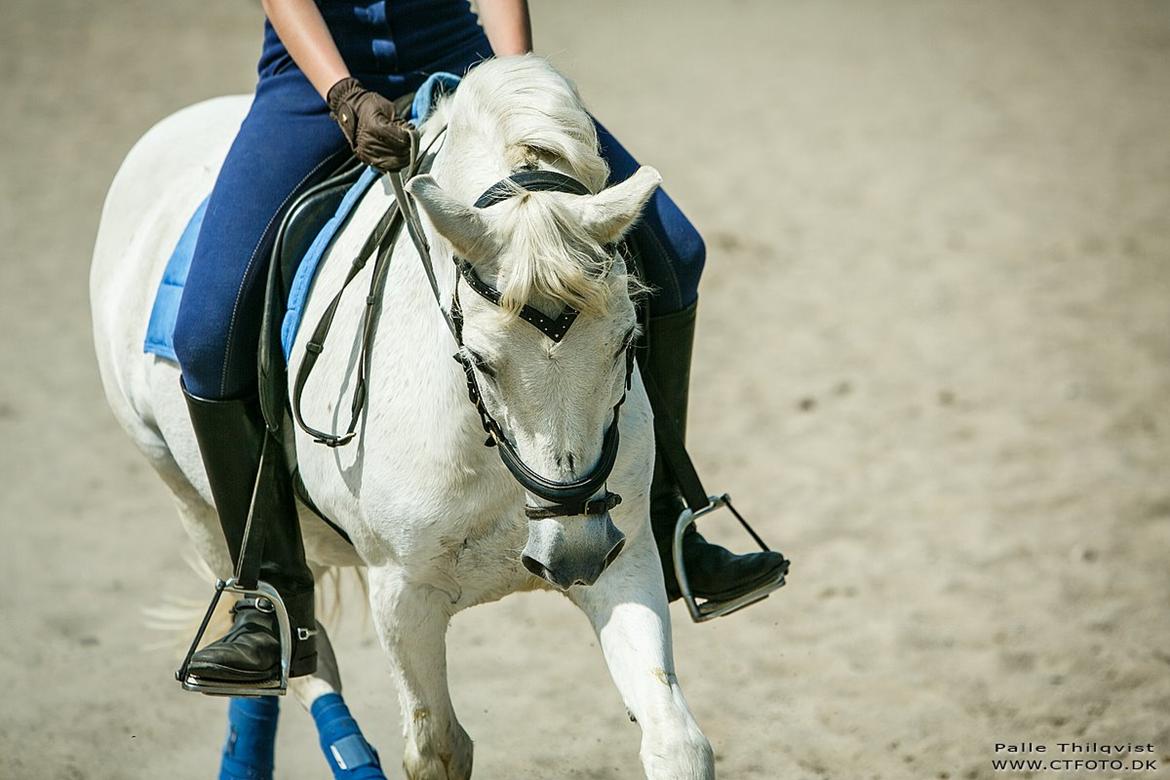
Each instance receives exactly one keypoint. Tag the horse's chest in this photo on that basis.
(487, 567)
(461, 543)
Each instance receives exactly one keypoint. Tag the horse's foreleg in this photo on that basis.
(412, 624)
(628, 609)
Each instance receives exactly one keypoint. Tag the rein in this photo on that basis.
(566, 499)
(380, 243)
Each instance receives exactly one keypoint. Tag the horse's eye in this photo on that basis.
(627, 342)
(481, 364)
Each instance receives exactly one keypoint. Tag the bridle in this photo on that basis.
(566, 499)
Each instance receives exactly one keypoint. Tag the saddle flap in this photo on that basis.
(304, 223)
(301, 228)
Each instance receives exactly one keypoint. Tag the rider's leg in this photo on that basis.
(286, 138)
(673, 256)
(231, 434)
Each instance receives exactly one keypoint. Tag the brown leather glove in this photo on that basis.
(368, 123)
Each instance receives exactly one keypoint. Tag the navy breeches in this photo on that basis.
(288, 137)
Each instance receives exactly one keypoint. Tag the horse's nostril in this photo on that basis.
(565, 579)
(545, 573)
(536, 567)
(614, 553)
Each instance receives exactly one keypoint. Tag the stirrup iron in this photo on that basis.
(284, 627)
(707, 610)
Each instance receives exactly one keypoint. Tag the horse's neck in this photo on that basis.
(419, 438)
(413, 344)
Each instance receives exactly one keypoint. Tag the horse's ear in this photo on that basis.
(463, 226)
(610, 213)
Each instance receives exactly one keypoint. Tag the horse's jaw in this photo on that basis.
(568, 551)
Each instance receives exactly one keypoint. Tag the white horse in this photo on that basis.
(434, 516)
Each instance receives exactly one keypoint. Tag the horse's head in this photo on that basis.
(553, 398)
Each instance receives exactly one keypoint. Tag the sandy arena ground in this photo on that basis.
(934, 361)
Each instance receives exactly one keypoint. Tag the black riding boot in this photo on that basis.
(713, 573)
(231, 436)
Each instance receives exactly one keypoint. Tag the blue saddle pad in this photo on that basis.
(160, 330)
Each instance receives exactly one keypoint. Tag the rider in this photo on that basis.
(328, 72)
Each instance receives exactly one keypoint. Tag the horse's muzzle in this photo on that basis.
(569, 551)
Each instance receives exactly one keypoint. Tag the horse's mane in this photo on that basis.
(523, 111)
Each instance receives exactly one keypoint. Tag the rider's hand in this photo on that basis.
(368, 123)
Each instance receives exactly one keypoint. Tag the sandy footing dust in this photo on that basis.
(934, 365)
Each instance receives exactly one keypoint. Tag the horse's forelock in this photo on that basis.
(555, 259)
(530, 109)
(532, 114)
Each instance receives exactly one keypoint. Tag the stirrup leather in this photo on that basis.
(707, 610)
(284, 628)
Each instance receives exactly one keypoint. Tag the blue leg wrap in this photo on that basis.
(349, 755)
(249, 753)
